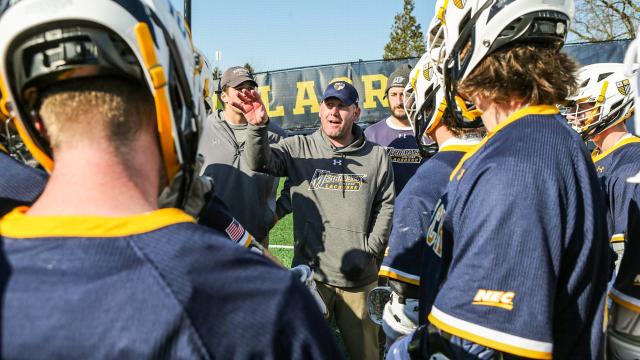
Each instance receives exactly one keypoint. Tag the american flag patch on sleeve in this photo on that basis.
(235, 230)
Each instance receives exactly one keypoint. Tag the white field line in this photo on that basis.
(290, 247)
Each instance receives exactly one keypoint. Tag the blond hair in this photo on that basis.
(114, 108)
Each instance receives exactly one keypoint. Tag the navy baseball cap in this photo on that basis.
(343, 91)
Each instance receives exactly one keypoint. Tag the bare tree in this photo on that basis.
(599, 20)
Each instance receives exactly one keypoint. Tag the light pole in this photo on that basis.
(187, 12)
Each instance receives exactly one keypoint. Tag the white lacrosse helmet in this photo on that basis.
(604, 99)
(436, 36)
(206, 80)
(424, 103)
(422, 98)
(44, 42)
(631, 61)
(476, 28)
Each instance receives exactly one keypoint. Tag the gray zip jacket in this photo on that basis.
(341, 199)
(249, 195)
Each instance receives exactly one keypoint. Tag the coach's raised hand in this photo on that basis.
(252, 107)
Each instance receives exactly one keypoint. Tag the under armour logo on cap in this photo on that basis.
(398, 80)
(241, 72)
(338, 86)
(337, 162)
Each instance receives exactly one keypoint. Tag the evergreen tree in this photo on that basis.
(249, 68)
(217, 73)
(406, 39)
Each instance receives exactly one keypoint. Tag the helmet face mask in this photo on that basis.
(409, 97)
(205, 76)
(581, 114)
(604, 99)
(420, 98)
(425, 104)
(12, 143)
(456, 60)
(144, 41)
(427, 118)
(436, 38)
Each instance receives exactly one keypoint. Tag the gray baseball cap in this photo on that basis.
(235, 76)
(398, 78)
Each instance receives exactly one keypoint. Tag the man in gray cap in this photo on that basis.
(395, 132)
(342, 202)
(250, 196)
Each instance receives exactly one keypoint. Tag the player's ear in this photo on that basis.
(39, 125)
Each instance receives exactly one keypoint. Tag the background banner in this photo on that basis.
(292, 95)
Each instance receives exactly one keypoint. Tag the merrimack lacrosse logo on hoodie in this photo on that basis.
(404, 155)
(323, 179)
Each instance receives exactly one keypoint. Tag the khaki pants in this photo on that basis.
(349, 306)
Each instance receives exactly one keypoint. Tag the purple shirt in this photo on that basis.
(401, 148)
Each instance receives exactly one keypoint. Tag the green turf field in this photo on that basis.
(282, 235)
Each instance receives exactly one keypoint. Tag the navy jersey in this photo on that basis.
(614, 167)
(153, 285)
(412, 213)
(518, 245)
(215, 214)
(19, 184)
(626, 288)
(22, 185)
(401, 147)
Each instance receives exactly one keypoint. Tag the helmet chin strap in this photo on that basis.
(599, 101)
(442, 11)
(466, 113)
